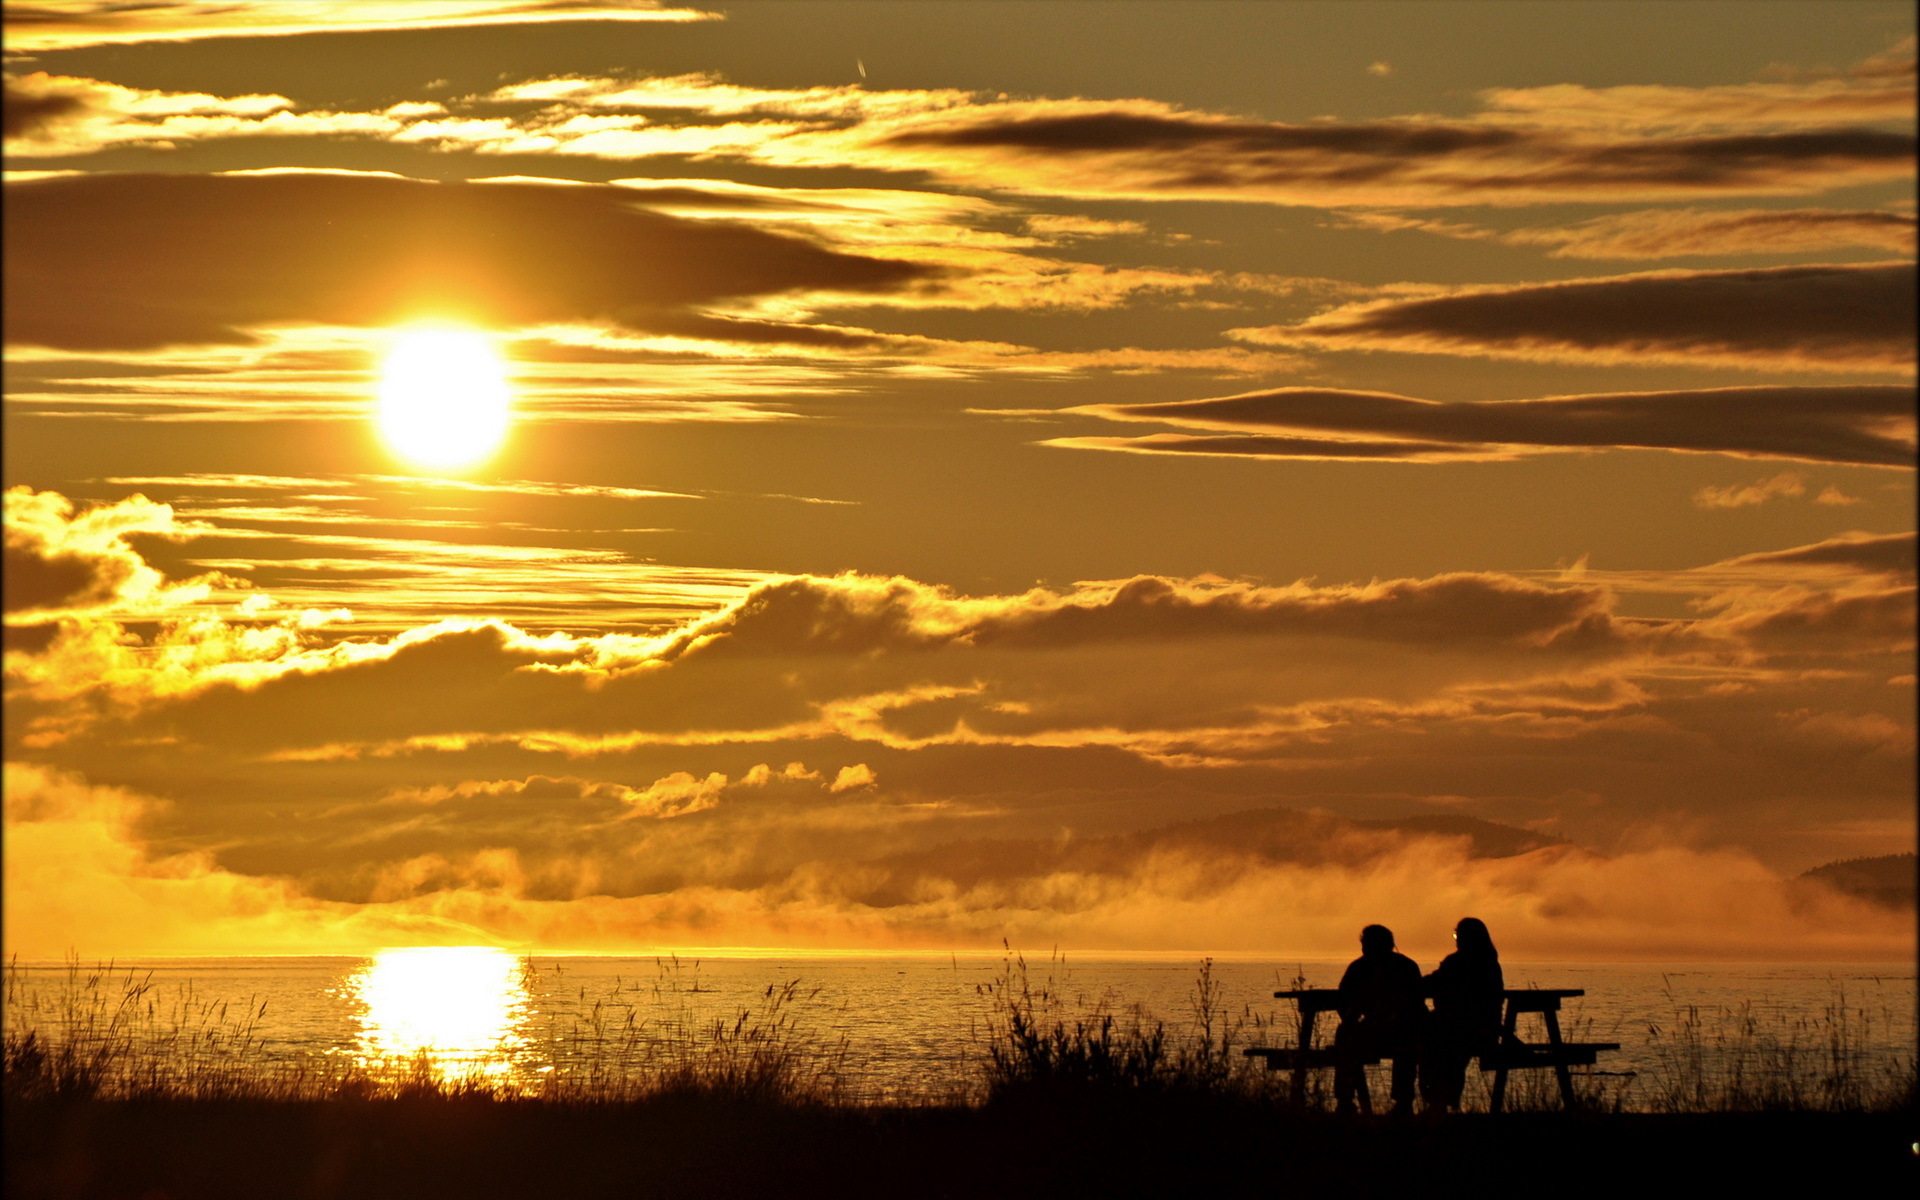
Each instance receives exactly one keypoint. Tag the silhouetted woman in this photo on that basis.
(1467, 989)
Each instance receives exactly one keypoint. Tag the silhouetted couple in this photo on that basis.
(1383, 1014)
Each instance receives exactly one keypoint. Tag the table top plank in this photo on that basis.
(1311, 995)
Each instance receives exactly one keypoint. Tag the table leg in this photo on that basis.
(1500, 1072)
(1299, 1091)
(1559, 1063)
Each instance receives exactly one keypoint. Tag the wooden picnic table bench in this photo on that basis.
(1512, 1054)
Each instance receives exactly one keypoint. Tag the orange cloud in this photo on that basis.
(83, 271)
(1527, 146)
(1824, 318)
(1787, 483)
(59, 562)
(425, 767)
(1679, 232)
(66, 24)
(1868, 425)
(80, 876)
(1879, 88)
(1674, 233)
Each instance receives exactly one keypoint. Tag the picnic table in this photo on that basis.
(1513, 1053)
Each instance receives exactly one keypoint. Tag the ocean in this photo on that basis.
(913, 1028)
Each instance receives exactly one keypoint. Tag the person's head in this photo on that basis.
(1376, 939)
(1471, 936)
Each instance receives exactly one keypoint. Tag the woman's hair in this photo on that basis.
(1472, 937)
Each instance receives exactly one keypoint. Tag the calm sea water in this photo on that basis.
(913, 1027)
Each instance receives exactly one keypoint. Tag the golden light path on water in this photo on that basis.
(461, 1009)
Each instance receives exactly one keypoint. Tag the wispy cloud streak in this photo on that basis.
(1867, 425)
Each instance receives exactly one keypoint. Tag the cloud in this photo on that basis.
(66, 24)
(1527, 146)
(558, 373)
(1890, 553)
(1771, 581)
(59, 115)
(1539, 145)
(1734, 495)
(1678, 232)
(1830, 318)
(59, 562)
(1147, 150)
(676, 795)
(1868, 425)
(1675, 233)
(41, 104)
(657, 297)
(1273, 879)
(529, 784)
(862, 615)
(859, 775)
(134, 261)
(277, 561)
(1879, 88)
(1871, 622)
(83, 875)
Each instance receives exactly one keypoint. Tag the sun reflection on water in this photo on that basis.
(461, 1009)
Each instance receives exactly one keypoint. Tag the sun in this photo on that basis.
(460, 1008)
(444, 400)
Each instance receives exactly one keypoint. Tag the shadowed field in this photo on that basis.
(703, 1146)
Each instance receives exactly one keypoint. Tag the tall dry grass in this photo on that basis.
(648, 1039)
(1038, 1040)
(1735, 1059)
(108, 1032)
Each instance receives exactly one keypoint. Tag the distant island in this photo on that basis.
(1887, 879)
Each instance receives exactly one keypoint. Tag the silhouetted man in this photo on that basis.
(1381, 1011)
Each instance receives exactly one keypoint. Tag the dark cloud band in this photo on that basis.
(1867, 425)
(135, 261)
(1809, 317)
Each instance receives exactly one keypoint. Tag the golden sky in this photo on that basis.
(1175, 477)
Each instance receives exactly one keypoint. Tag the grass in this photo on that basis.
(115, 1087)
(1733, 1059)
(102, 1031)
(110, 1033)
(604, 1048)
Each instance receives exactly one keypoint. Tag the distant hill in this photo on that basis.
(1887, 880)
(1490, 839)
(1233, 842)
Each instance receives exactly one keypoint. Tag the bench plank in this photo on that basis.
(1513, 1055)
(1569, 1054)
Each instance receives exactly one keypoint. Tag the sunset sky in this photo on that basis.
(1098, 475)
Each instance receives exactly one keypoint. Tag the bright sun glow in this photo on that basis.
(460, 1006)
(444, 401)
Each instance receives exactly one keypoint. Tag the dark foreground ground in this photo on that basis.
(474, 1149)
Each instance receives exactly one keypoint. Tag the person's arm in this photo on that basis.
(1350, 994)
(1415, 986)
